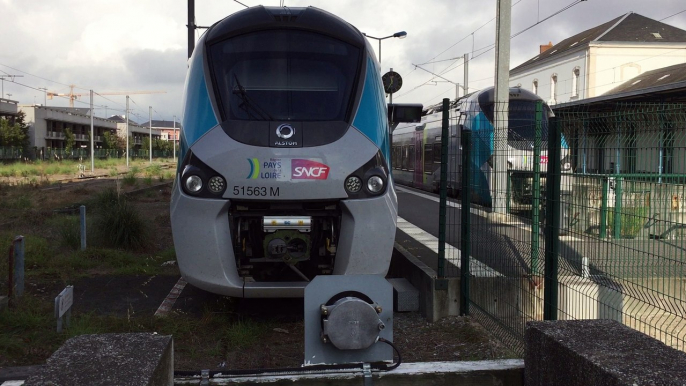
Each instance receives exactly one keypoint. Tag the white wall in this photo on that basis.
(612, 64)
(608, 65)
(563, 66)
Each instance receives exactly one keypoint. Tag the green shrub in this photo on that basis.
(118, 224)
(130, 178)
(69, 229)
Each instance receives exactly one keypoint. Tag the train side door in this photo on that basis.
(418, 176)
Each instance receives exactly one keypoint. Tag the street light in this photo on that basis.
(399, 35)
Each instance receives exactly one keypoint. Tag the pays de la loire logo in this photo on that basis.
(303, 169)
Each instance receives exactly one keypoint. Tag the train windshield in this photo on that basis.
(522, 121)
(284, 75)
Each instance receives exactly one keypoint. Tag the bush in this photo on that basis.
(118, 224)
(130, 178)
(70, 232)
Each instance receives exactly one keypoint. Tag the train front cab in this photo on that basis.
(285, 148)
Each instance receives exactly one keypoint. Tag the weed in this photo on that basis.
(154, 170)
(69, 229)
(119, 225)
(148, 180)
(244, 333)
(21, 202)
(130, 178)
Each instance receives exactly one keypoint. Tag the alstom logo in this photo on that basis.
(303, 169)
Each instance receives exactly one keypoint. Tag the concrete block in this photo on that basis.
(405, 296)
(110, 359)
(598, 352)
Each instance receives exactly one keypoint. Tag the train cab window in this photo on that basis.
(396, 157)
(437, 152)
(428, 158)
(410, 158)
(284, 75)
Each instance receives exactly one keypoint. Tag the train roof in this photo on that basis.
(484, 96)
(265, 18)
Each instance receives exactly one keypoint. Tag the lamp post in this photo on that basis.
(399, 35)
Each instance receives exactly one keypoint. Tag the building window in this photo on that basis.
(575, 83)
(553, 88)
(534, 87)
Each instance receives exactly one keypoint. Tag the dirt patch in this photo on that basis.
(119, 291)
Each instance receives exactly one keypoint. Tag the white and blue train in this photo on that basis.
(417, 148)
(284, 167)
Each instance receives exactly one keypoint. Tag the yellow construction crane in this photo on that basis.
(72, 95)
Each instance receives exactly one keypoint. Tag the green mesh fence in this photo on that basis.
(614, 216)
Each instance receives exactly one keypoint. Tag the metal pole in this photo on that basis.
(174, 139)
(536, 190)
(552, 231)
(82, 212)
(502, 92)
(150, 128)
(92, 138)
(19, 245)
(465, 227)
(466, 74)
(602, 232)
(127, 132)
(191, 27)
(617, 226)
(391, 94)
(379, 51)
(444, 188)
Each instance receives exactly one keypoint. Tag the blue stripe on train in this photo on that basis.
(198, 116)
(371, 119)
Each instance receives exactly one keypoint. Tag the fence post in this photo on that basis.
(444, 189)
(465, 227)
(602, 232)
(82, 210)
(18, 247)
(617, 226)
(536, 191)
(552, 223)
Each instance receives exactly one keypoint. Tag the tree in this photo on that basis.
(69, 140)
(14, 134)
(145, 143)
(113, 141)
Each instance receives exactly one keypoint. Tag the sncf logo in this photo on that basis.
(304, 169)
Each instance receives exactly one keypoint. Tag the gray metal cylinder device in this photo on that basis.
(351, 323)
(345, 315)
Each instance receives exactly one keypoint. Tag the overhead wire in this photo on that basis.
(665, 18)
(490, 47)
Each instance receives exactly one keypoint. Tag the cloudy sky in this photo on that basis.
(141, 45)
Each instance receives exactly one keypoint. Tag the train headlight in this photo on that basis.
(353, 184)
(375, 184)
(193, 184)
(216, 184)
(566, 166)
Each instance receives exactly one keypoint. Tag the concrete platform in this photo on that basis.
(139, 359)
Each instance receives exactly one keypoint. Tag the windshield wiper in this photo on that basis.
(248, 104)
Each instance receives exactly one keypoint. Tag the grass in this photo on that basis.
(632, 221)
(117, 223)
(244, 333)
(29, 336)
(70, 167)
